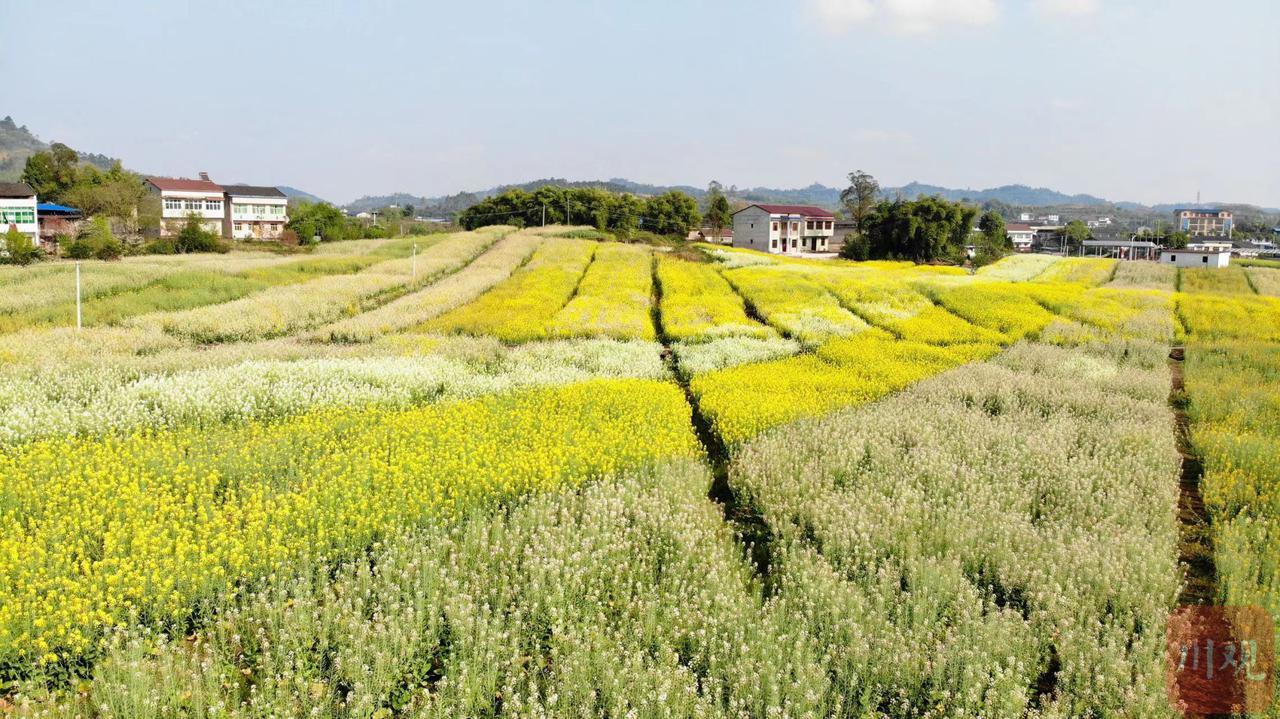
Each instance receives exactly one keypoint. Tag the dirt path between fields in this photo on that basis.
(1195, 545)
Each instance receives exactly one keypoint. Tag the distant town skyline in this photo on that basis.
(1151, 102)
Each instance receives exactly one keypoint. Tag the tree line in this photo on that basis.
(670, 213)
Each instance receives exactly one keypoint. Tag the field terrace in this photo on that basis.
(528, 474)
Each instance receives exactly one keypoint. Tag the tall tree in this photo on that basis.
(993, 240)
(53, 171)
(859, 198)
(718, 215)
(925, 229)
(1074, 234)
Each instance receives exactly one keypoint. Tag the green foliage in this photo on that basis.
(51, 172)
(193, 237)
(718, 215)
(321, 219)
(993, 241)
(1075, 233)
(859, 200)
(922, 230)
(18, 248)
(1178, 240)
(671, 213)
(58, 175)
(96, 241)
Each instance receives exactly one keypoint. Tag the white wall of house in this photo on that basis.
(251, 217)
(177, 206)
(1185, 258)
(19, 212)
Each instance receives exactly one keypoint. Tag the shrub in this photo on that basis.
(193, 237)
(96, 241)
(18, 248)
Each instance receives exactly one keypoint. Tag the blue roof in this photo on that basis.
(50, 207)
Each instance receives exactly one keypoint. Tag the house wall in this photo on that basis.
(175, 207)
(15, 212)
(1196, 259)
(751, 229)
(260, 218)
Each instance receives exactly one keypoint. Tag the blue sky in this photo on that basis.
(1148, 101)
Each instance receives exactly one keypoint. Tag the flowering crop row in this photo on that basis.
(1000, 307)
(1265, 280)
(41, 403)
(1086, 271)
(790, 300)
(743, 401)
(890, 302)
(700, 357)
(286, 310)
(1003, 530)
(613, 299)
(1145, 276)
(519, 309)
(1224, 280)
(1017, 268)
(1232, 379)
(418, 308)
(699, 304)
(151, 527)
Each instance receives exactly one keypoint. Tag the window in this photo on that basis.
(172, 203)
(808, 225)
(1172, 258)
(215, 205)
(793, 243)
(195, 204)
(827, 225)
(773, 245)
(239, 227)
(17, 216)
(1205, 259)
(795, 226)
(775, 227)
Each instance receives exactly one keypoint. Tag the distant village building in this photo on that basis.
(1120, 249)
(1204, 223)
(1021, 235)
(57, 221)
(180, 198)
(708, 234)
(18, 210)
(255, 213)
(1215, 244)
(1195, 258)
(783, 228)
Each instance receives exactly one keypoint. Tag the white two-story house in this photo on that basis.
(180, 198)
(255, 213)
(783, 228)
(18, 210)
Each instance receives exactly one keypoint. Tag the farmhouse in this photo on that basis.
(181, 198)
(18, 209)
(255, 213)
(1204, 223)
(1021, 234)
(783, 228)
(708, 234)
(1195, 258)
(56, 221)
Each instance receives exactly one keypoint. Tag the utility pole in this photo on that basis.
(544, 214)
(566, 211)
(78, 315)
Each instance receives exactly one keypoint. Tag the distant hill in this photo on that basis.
(294, 193)
(17, 143)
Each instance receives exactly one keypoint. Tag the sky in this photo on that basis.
(1149, 101)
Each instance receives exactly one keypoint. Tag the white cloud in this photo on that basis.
(1069, 8)
(906, 16)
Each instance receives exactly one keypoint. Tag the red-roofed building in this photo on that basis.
(783, 228)
(180, 198)
(1021, 234)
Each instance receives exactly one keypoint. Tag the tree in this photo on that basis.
(52, 171)
(671, 213)
(993, 240)
(193, 237)
(95, 240)
(859, 199)
(1074, 234)
(718, 215)
(18, 248)
(1178, 240)
(318, 219)
(922, 230)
